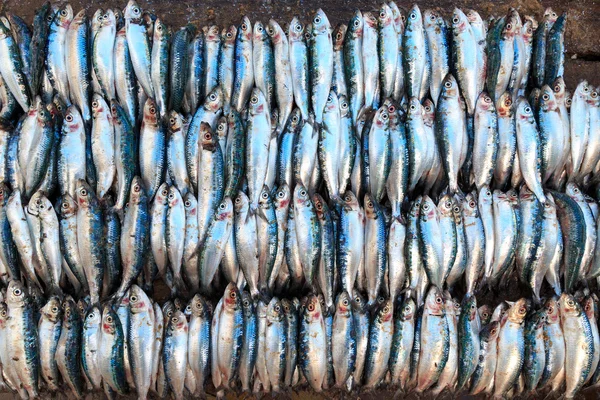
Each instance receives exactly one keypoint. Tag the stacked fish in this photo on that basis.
(401, 157)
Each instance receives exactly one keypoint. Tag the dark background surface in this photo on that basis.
(582, 62)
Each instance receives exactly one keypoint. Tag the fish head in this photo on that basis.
(339, 33)
(450, 87)
(274, 311)
(428, 112)
(385, 311)
(445, 206)
(527, 32)
(552, 310)
(590, 307)
(248, 304)
(162, 194)
(457, 211)
(469, 307)
(231, 298)
(355, 26)
(45, 207)
(513, 25)
(474, 17)
(460, 22)
(281, 196)
(150, 113)
(320, 23)
(386, 16)
(382, 118)
(485, 314)
(301, 196)
(93, 317)
(296, 30)
(133, 12)
(517, 311)
(573, 191)
(214, 100)
(550, 15)
(177, 322)
(52, 309)
(168, 309)
(414, 21)
(260, 33)
(415, 208)
(312, 309)
(222, 128)
(64, 16)
(320, 207)
(258, 104)
(434, 302)
(547, 100)
(275, 32)
(241, 202)
(174, 197)
(343, 305)
(428, 209)
(137, 193)
(504, 105)
(191, 204)
(139, 300)
(224, 211)
(484, 103)
(175, 122)
(332, 105)
(371, 207)
(490, 332)
(110, 320)
(160, 32)
(73, 123)
(409, 309)
(228, 36)
(4, 193)
(99, 105)
(83, 304)
(70, 311)
(3, 314)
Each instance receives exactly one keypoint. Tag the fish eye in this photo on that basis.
(545, 97)
(171, 196)
(109, 319)
(311, 307)
(95, 104)
(550, 310)
(384, 116)
(92, 315)
(432, 17)
(136, 188)
(317, 20)
(448, 84)
(357, 300)
(485, 315)
(438, 300)
(348, 198)
(63, 13)
(281, 194)
(425, 207)
(246, 303)
(229, 35)
(187, 203)
(370, 204)
(303, 192)
(232, 294)
(277, 308)
(509, 26)
(264, 195)
(295, 119)
(136, 10)
(213, 96)
(222, 206)
(238, 200)
(244, 27)
(83, 192)
(455, 20)
(259, 28)
(456, 209)
(448, 204)
(413, 16)
(254, 100)
(152, 110)
(356, 23)
(69, 118)
(557, 88)
(207, 136)
(172, 121)
(319, 206)
(494, 331)
(164, 192)
(133, 298)
(382, 14)
(175, 320)
(345, 302)
(386, 309)
(522, 311)
(49, 18)
(586, 89)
